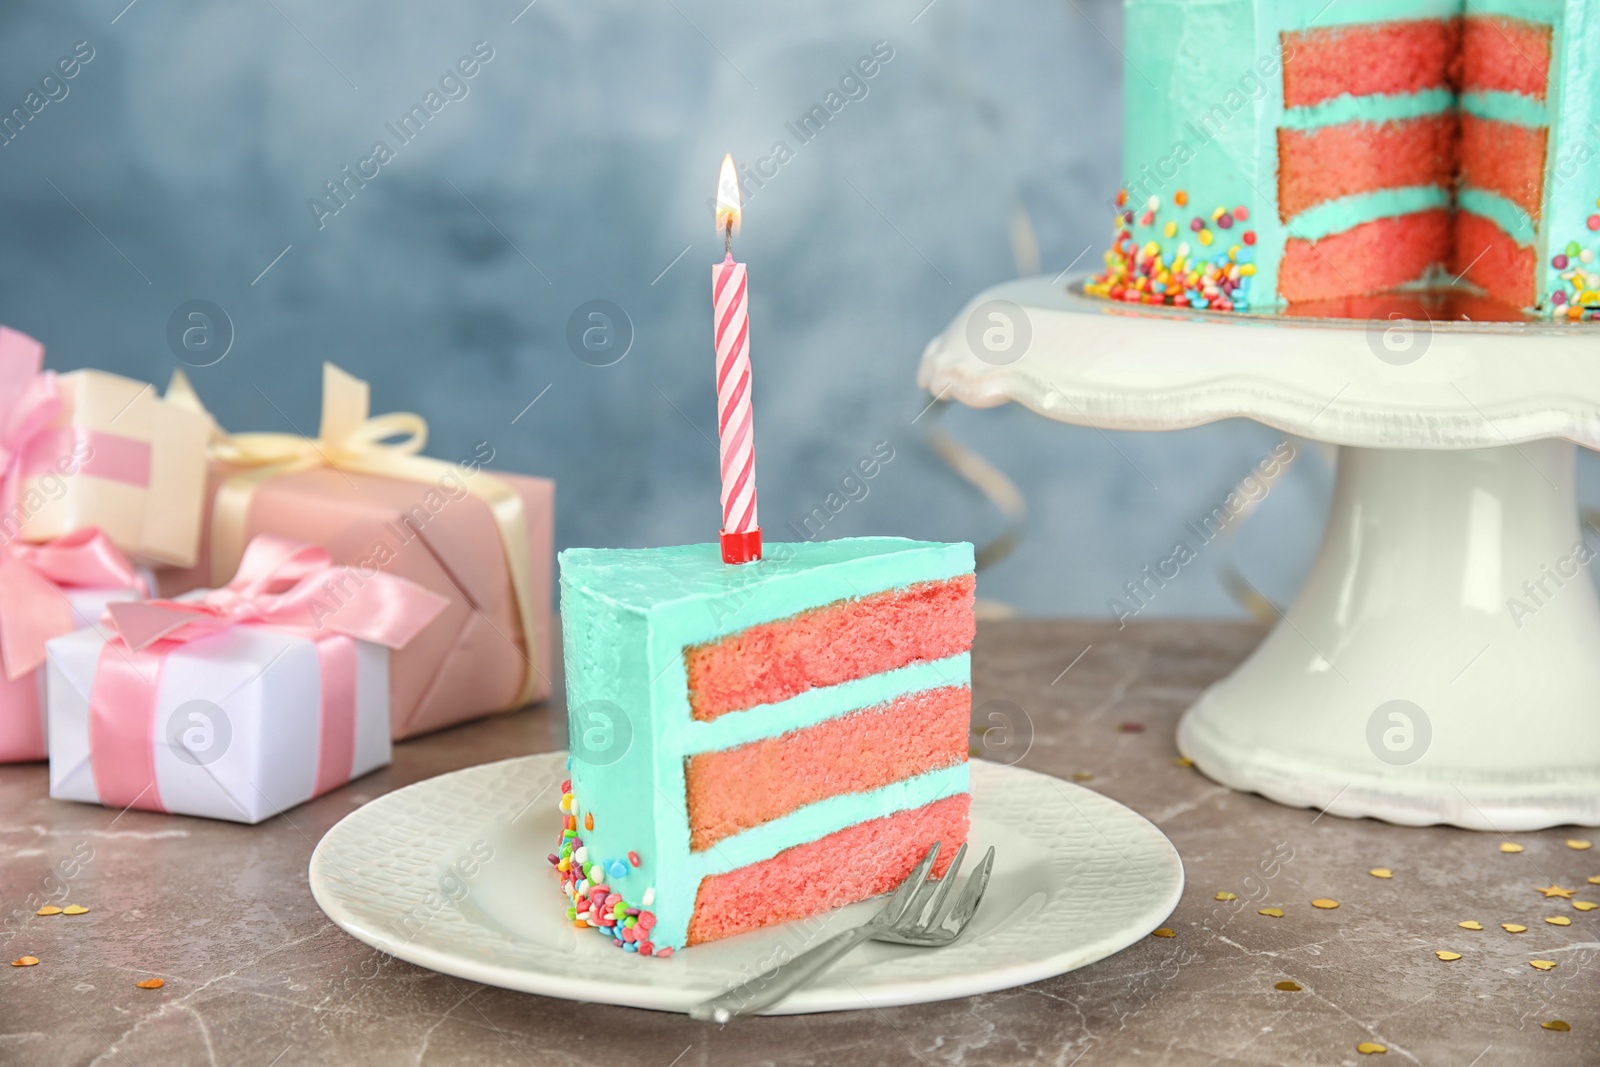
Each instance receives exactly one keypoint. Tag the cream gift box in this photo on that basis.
(236, 703)
(91, 449)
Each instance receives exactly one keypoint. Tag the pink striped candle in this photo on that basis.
(741, 532)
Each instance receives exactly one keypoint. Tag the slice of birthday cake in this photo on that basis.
(759, 743)
(1292, 151)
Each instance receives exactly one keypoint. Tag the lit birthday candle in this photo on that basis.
(741, 533)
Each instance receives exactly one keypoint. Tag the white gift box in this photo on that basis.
(238, 721)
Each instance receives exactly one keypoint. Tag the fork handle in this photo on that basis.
(763, 991)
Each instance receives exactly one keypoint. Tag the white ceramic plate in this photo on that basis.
(451, 874)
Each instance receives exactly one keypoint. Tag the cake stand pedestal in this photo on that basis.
(1441, 663)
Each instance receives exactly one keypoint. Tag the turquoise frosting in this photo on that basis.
(1506, 107)
(1314, 14)
(1376, 108)
(1197, 96)
(1203, 102)
(1336, 216)
(1500, 211)
(628, 614)
(1546, 11)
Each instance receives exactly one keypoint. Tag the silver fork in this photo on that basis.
(918, 926)
(909, 917)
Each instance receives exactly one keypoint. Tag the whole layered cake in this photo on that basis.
(1282, 152)
(759, 743)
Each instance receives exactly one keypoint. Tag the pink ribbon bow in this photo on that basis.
(289, 586)
(281, 584)
(32, 608)
(30, 400)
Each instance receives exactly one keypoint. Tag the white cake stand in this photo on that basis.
(1403, 683)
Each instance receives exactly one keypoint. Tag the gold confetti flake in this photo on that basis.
(1324, 903)
(74, 909)
(1510, 846)
(1448, 957)
(1271, 913)
(1225, 895)
(1594, 879)
(1184, 761)
(1578, 845)
(1082, 776)
(1471, 924)
(48, 909)
(25, 961)
(1557, 1024)
(1381, 872)
(1165, 931)
(150, 983)
(1288, 986)
(1514, 928)
(1553, 890)
(1371, 1048)
(1542, 965)
(1585, 905)
(1558, 920)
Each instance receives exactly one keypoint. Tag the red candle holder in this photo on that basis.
(741, 547)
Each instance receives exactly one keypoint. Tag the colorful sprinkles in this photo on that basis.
(1138, 270)
(592, 903)
(1575, 265)
(1216, 276)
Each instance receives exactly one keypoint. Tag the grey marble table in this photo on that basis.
(255, 975)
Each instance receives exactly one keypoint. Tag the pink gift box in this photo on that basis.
(479, 538)
(470, 662)
(234, 703)
(47, 591)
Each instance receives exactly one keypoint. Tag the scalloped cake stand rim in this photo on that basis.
(1077, 878)
(1108, 365)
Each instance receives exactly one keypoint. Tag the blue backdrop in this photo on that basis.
(536, 159)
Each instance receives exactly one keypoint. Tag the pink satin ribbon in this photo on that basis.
(281, 584)
(103, 455)
(31, 442)
(32, 607)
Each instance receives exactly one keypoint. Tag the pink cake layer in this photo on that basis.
(858, 862)
(1375, 255)
(739, 788)
(1487, 257)
(1506, 54)
(1358, 157)
(837, 643)
(1386, 57)
(1504, 158)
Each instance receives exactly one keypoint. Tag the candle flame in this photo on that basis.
(728, 207)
